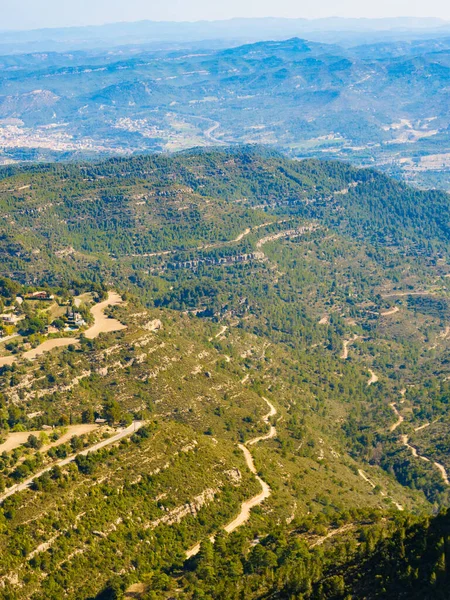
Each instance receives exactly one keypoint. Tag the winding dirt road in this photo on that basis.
(221, 332)
(61, 463)
(405, 441)
(247, 506)
(373, 486)
(443, 472)
(102, 323)
(400, 418)
(209, 133)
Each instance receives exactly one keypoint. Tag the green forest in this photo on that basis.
(153, 310)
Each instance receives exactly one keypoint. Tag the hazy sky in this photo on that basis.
(28, 14)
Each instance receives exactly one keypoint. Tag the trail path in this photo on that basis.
(61, 463)
(290, 233)
(443, 472)
(212, 245)
(401, 294)
(372, 484)
(345, 346)
(332, 533)
(389, 312)
(221, 332)
(247, 506)
(239, 237)
(444, 334)
(242, 235)
(400, 418)
(404, 439)
(272, 432)
(423, 426)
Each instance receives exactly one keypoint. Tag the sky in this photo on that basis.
(33, 14)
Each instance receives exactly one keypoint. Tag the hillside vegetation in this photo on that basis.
(212, 285)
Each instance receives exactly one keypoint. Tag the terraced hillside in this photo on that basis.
(213, 286)
(181, 475)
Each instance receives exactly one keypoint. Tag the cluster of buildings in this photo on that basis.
(12, 315)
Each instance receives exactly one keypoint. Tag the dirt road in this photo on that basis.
(47, 346)
(345, 346)
(209, 133)
(272, 432)
(7, 360)
(247, 506)
(290, 233)
(402, 294)
(391, 311)
(373, 377)
(400, 418)
(373, 486)
(61, 463)
(17, 438)
(332, 533)
(102, 323)
(443, 472)
(221, 332)
(405, 441)
(212, 245)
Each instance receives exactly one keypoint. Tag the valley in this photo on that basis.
(224, 372)
(305, 98)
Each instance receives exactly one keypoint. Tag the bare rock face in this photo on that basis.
(154, 325)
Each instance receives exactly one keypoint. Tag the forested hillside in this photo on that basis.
(227, 345)
(190, 201)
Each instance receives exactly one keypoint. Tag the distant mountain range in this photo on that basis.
(381, 104)
(238, 31)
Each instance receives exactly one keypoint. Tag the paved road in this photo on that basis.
(61, 463)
